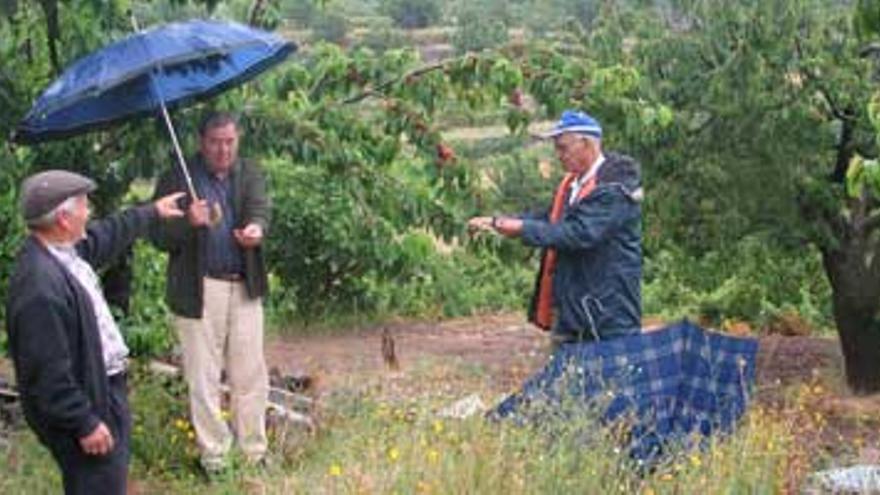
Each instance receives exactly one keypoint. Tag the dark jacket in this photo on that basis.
(597, 282)
(53, 333)
(185, 245)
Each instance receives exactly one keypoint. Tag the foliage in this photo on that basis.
(477, 29)
(751, 280)
(147, 328)
(546, 18)
(12, 230)
(162, 440)
(410, 14)
(382, 36)
(329, 26)
(301, 12)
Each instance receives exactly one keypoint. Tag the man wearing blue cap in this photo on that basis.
(589, 283)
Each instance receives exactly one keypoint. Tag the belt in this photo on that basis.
(228, 277)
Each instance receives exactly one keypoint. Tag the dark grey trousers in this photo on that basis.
(85, 474)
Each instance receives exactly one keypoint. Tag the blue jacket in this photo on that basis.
(597, 281)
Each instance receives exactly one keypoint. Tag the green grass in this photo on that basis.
(386, 437)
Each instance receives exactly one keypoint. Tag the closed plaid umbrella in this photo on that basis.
(670, 384)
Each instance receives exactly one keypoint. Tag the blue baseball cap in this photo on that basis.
(575, 122)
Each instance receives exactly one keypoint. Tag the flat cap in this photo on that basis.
(42, 192)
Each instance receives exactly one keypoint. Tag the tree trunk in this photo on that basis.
(53, 32)
(855, 302)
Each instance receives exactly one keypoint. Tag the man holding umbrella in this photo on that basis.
(150, 73)
(589, 283)
(69, 356)
(216, 281)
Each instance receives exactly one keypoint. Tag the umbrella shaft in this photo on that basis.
(177, 151)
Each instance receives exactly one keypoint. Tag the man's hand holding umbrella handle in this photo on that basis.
(250, 236)
(98, 442)
(199, 214)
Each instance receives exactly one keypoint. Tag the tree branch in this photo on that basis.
(53, 32)
(845, 151)
(380, 89)
(871, 223)
(256, 12)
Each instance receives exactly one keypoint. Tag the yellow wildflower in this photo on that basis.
(335, 470)
(393, 454)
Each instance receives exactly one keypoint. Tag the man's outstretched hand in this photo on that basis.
(506, 226)
(167, 206)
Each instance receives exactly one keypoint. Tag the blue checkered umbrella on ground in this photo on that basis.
(669, 384)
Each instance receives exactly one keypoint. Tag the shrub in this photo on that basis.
(329, 26)
(478, 27)
(381, 36)
(146, 328)
(411, 14)
(12, 229)
(474, 34)
(752, 280)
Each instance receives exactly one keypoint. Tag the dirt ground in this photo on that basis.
(502, 345)
(507, 348)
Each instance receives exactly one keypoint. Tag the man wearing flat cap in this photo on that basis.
(69, 356)
(589, 283)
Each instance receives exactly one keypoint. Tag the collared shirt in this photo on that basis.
(112, 344)
(578, 184)
(223, 255)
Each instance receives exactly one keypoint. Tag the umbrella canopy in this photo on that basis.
(670, 384)
(170, 65)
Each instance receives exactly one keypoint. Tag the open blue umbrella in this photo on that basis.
(148, 73)
(669, 385)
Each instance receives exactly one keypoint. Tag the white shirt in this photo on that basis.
(578, 184)
(112, 344)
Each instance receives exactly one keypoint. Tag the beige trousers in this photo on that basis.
(230, 334)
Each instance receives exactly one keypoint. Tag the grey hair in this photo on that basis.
(49, 218)
(595, 140)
